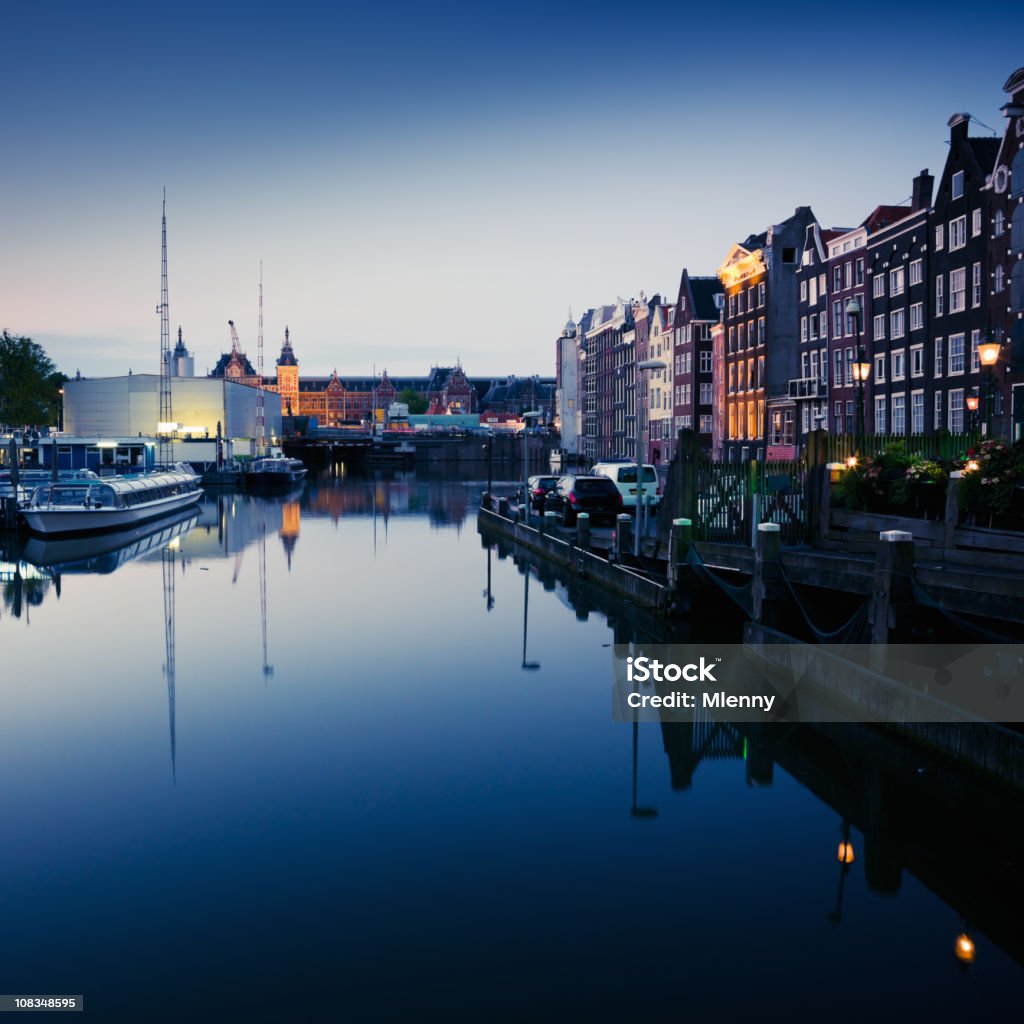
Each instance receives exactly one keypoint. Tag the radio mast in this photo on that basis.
(164, 417)
(261, 429)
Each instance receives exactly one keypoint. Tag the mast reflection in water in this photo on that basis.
(398, 800)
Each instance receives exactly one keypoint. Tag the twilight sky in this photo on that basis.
(432, 182)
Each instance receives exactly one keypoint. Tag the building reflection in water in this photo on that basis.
(915, 809)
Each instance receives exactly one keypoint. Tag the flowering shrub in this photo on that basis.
(990, 488)
(920, 473)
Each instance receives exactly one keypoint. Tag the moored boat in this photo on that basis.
(110, 503)
(275, 474)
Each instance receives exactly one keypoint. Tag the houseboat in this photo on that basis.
(110, 503)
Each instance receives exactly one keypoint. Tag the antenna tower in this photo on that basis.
(261, 428)
(165, 347)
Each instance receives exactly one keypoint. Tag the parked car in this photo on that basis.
(623, 475)
(595, 495)
(538, 486)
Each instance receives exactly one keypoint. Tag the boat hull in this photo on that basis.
(275, 483)
(50, 521)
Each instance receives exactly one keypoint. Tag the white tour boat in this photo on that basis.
(109, 503)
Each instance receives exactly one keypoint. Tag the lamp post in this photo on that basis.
(972, 406)
(988, 353)
(527, 416)
(641, 368)
(861, 368)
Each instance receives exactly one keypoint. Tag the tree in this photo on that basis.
(29, 383)
(412, 398)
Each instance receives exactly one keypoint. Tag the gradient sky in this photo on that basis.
(428, 183)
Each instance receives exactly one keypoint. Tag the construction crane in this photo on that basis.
(261, 428)
(234, 336)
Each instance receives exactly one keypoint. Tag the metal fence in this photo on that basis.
(940, 447)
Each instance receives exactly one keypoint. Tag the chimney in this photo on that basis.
(958, 125)
(921, 194)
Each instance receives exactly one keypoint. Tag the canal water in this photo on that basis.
(338, 756)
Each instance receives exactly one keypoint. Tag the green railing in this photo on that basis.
(940, 447)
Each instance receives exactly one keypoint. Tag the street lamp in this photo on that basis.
(641, 367)
(527, 416)
(988, 353)
(972, 406)
(861, 368)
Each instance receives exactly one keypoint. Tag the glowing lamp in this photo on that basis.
(964, 948)
(971, 467)
(861, 371)
(988, 353)
(851, 462)
(972, 403)
(106, 444)
(845, 853)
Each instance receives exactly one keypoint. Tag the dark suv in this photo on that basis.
(538, 487)
(596, 495)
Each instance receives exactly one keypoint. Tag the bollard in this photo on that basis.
(768, 587)
(680, 539)
(623, 536)
(583, 531)
(549, 524)
(485, 500)
(503, 507)
(892, 595)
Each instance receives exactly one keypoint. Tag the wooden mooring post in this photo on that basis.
(768, 585)
(8, 514)
(623, 536)
(679, 540)
(892, 596)
(583, 531)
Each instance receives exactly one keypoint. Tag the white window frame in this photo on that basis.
(938, 364)
(896, 280)
(879, 327)
(939, 236)
(917, 316)
(975, 285)
(881, 419)
(878, 286)
(916, 271)
(899, 403)
(958, 290)
(917, 360)
(958, 233)
(956, 190)
(880, 362)
(955, 405)
(939, 294)
(976, 223)
(897, 323)
(916, 412)
(898, 363)
(956, 360)
(937, 420)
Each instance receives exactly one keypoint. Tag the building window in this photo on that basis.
(938, 236)
(837, 319)
(849, 367)
(706, 392)
(938, 295)
(937, 418)
(838, 414)
(998, 279)
(937, 368)
(760, 371)
(878, 286)
(999, 224)
(823, 319)
(917, 361)
(896, 281)
(847, 275)
(881, 425)
(858, 276)
(838, 378)
(837, 278)
(788, 254)
(812, 291)
(899, 414)
(899, 364)
(760, 294)
(956, 354)
(957, 290)
(705, 424)
(957, 233)
(813, 323)
(917, 316)
(824, 366)
(976, 286)
(958, 185)
(916, 272)
(897, 325)
(803, 291)
(975, 357)
(803, 328)
(917, 412)
(956, 411)
(705, 362)
(880, 369)
(752, 430)
(976, 223)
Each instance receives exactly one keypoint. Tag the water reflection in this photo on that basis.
(911, 811)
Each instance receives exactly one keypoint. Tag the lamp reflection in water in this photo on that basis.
(527, 666)
(845, 857)
(964, 948)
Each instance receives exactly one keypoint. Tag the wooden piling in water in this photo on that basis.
(768, 586)
(892, 596)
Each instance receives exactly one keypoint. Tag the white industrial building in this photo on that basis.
(129, 407)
